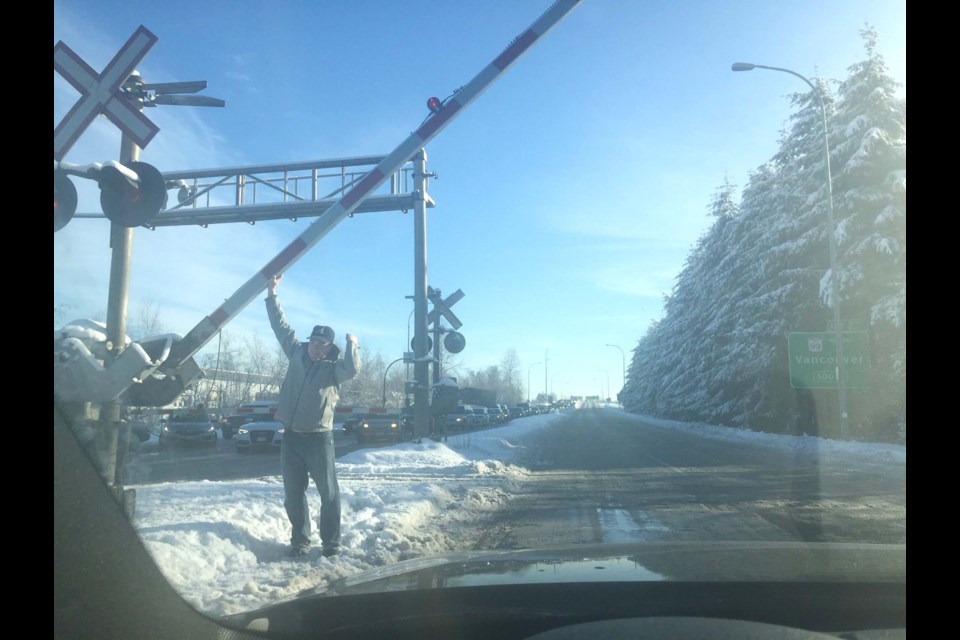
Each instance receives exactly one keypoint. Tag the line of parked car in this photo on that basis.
(253, 425)
(470, 416)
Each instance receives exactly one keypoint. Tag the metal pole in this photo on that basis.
(407, 345)
(437, 332)
(121, 242)
(528, 379)
(437, 365)
(623, 363)
(546, 360)
(421, 373)
(840, 370)
(384, 402)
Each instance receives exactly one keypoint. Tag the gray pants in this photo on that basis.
(304, 456)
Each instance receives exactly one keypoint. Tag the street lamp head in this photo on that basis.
(743, 66)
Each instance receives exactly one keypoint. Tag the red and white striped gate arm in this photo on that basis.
(209, 326)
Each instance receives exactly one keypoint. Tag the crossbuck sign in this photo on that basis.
(100, 93)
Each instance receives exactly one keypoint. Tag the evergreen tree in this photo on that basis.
(869, 141)
(719, 353)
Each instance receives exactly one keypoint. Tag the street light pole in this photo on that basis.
(384, 402)
(546, 364)
(528, 379)
(840, 369)
(623, 362)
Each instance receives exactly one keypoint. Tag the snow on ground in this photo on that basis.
(223, 545)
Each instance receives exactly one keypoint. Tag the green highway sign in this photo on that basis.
(813, 360)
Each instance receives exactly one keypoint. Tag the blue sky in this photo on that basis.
(568, 195)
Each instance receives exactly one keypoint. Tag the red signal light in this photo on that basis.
(130, 204)
(434, 105)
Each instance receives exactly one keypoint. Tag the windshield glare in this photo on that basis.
(665, 302)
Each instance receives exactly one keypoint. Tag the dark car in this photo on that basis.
(350, 424)
(379, 427)
(188, 429)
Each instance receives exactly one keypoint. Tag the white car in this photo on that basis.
(267, 434)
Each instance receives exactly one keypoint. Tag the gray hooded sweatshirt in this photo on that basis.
(311, 390)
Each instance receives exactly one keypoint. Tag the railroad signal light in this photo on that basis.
(434, 105)
(64, 200)
(132, 204)
(429, 343)
(454, 342)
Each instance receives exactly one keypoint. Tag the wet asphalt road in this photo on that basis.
(600, 477)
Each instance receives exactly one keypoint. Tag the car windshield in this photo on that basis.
(262, 417)
(692, 330)
(189, 417)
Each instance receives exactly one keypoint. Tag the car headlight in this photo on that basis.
(242, 432)
(393, 425)
(166, 428)
(280, 431)
(366, 426)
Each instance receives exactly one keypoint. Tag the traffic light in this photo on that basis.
(131, 204)
(64, 200)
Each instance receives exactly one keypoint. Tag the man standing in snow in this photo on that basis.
(306, 406)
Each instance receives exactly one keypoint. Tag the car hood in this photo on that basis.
(262, 426)
(644, 562)
(189, 426)
(380, 423)
(635, 562)
(578, 581)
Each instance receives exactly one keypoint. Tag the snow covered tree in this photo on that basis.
(869, 141)
(762, 270)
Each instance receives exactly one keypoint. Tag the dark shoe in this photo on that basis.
(329, 552)
(298, 550)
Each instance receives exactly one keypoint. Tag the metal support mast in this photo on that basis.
(111, 440)
(421, 372)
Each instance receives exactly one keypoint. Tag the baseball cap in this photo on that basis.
(321, 332)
